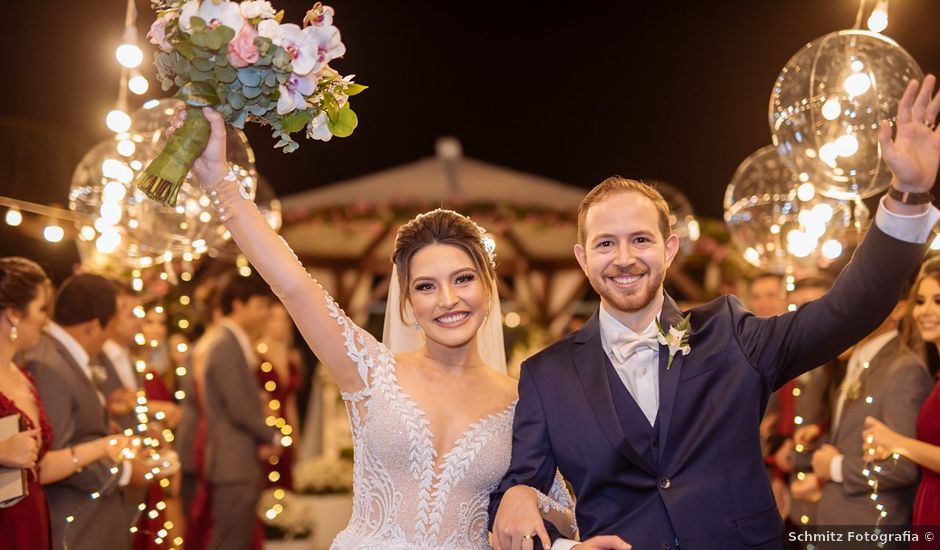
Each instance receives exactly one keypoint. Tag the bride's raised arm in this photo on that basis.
(311, 308)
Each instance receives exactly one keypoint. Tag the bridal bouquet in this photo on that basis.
(239, 59)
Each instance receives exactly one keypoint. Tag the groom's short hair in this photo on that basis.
(616, 185)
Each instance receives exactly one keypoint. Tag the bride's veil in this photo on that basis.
(399, 337)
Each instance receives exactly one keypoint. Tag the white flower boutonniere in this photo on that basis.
(676, 338)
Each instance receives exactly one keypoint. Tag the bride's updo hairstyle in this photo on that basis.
(442, 227)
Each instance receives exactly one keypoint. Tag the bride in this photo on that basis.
(431, 415)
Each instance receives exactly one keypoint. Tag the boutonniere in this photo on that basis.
(854, 391)
(98, 374)
(676, 338)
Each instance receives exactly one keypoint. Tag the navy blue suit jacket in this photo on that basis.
(709, 488)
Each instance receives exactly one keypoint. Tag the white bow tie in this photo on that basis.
(627, 344)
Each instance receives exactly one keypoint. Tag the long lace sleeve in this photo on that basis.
(337, 342)
(558, 507)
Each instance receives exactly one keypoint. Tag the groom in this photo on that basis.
(663, 449)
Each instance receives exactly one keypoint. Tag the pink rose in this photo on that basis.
(241, 50)
(157, 32)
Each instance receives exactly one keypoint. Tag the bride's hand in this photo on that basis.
(210, 167)
(518, 523)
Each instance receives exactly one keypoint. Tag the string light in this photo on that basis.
(13, 217)
(878, 20)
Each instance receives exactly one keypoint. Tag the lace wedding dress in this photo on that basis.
(404, 498)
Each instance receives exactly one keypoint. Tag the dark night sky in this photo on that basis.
(676, 91)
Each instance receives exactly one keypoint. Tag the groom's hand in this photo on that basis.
(518, 524)
(603, 542)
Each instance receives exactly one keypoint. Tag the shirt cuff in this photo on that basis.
(835, 468)
(564, 544)
(914, 228)
(126, 471)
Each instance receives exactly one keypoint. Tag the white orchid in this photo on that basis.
(269, 28)
(294, 92)
(676, 338)
(310, 48)
(252, 9)
(224, 13)
(317, 128)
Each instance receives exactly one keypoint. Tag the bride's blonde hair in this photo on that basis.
(442, 226)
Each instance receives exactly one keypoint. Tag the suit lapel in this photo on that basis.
(668, 378)
(589, 361)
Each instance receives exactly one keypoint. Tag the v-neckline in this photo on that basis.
(439, 468)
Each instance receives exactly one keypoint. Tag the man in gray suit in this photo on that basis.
(86, 509)
(237, 433)
(884, 379)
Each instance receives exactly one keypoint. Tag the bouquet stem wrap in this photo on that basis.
(162, 178)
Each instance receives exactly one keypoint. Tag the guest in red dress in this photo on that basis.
(880, 441)
(25, 294)
(279, 378)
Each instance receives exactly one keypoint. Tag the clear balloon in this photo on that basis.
(192, 226)
(780, 223)
(117, 224)
(681, 218)
(826, 106)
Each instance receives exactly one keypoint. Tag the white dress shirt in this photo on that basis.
(915, 228)
(639, 371)
(120, 357)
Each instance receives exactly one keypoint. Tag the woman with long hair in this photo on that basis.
(880, 441)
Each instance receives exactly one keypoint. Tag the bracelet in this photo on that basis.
(74, 460)
(908, 197)
(547, 504)
(218, 198)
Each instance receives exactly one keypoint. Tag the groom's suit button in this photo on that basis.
(664, 483)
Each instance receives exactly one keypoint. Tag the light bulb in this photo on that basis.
(832, 249)
(87, 233)
(129, 55)
(138, 84)
(828, 153)
(806, 191)
(113, 192)
(53, 233)
(117, 170)
(126, 147)
(878, 20)
(118, 121)
(13, 217)
(846, 145)
(831, 109)
(108, 241)
(857, 84)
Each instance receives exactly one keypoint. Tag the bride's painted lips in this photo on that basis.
(453, 319)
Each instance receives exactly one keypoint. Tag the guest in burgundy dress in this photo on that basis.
(25, 293)
(925, 450)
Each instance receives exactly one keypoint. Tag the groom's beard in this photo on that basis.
(631, 300)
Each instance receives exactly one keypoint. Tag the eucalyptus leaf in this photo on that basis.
(239, 121)
(226, 34)
(237, 101)
(225, 74)
(203, 65)
(199, 94)
(200, 76)
(196, 24)
(270, 79)
(201, 39)
(184, 48)
(346, 121)
(249, 76)
(257, 109)
(214, 40)
(251, 92)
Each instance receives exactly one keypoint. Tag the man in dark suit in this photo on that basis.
(663, 448)
(885, 380)
(237, 433)
(69, 385)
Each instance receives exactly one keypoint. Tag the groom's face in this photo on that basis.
(625, 255)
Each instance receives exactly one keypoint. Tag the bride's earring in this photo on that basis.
(417, 326)
(13, 334)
